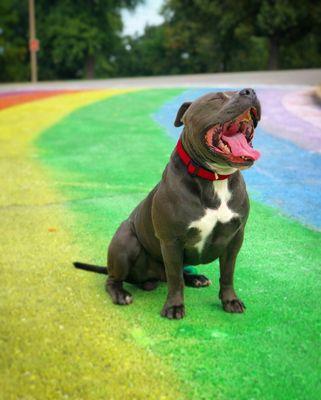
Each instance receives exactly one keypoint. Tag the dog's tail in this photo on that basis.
(92, 268)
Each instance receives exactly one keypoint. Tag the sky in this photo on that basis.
(134, 22)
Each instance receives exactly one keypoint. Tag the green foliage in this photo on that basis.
(13, 40)
(282, 17)
(78, 34)
(148, 55)
(74, 35)
(247, 34)
(83, 39)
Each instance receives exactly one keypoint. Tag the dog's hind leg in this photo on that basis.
(155, 274)
(123, 252)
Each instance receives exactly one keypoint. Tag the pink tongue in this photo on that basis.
(240, 147)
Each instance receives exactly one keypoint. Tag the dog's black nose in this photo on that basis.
(248, 92)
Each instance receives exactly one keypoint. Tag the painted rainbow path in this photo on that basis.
(72, 166)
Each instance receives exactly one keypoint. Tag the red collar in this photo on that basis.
(195, 170)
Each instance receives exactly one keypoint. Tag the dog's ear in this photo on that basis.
(181, 112)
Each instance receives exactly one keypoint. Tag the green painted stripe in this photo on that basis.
(105, 158)
(57, 340)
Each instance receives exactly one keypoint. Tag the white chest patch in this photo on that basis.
(211, 217)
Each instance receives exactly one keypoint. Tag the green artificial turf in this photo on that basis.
(105, 158)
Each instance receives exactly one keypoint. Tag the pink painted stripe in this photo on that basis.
(281, 121)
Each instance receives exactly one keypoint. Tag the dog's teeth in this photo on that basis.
(224, 147)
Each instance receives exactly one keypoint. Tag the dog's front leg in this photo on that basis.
(173, 259)
(230, 301)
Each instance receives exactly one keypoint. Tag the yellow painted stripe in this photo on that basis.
(57, 339)
(22, 123)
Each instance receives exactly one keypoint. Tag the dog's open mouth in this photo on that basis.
(233, 139)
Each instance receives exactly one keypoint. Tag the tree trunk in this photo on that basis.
(90, 67)
(273, 62)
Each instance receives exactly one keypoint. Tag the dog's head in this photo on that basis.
(219, 128)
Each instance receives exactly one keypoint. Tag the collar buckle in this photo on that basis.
(192, 168)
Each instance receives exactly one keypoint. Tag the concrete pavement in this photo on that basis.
(303, 77)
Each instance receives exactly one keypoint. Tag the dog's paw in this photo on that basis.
(120, 296)
(173, 312)
(233, 306)
(123, 298)
(196, 280)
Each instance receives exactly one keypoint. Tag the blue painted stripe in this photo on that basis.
(286, 176)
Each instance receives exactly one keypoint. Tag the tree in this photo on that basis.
(285, 22)
(148, 54)
(247, 34)
(78, 34)
(83, 38)
(75, 36)
(13, 40)
(216, 33)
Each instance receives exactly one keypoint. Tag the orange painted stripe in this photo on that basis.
(12, 99)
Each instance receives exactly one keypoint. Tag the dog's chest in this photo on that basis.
(211, 217)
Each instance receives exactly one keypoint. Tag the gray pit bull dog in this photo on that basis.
(197, 212)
